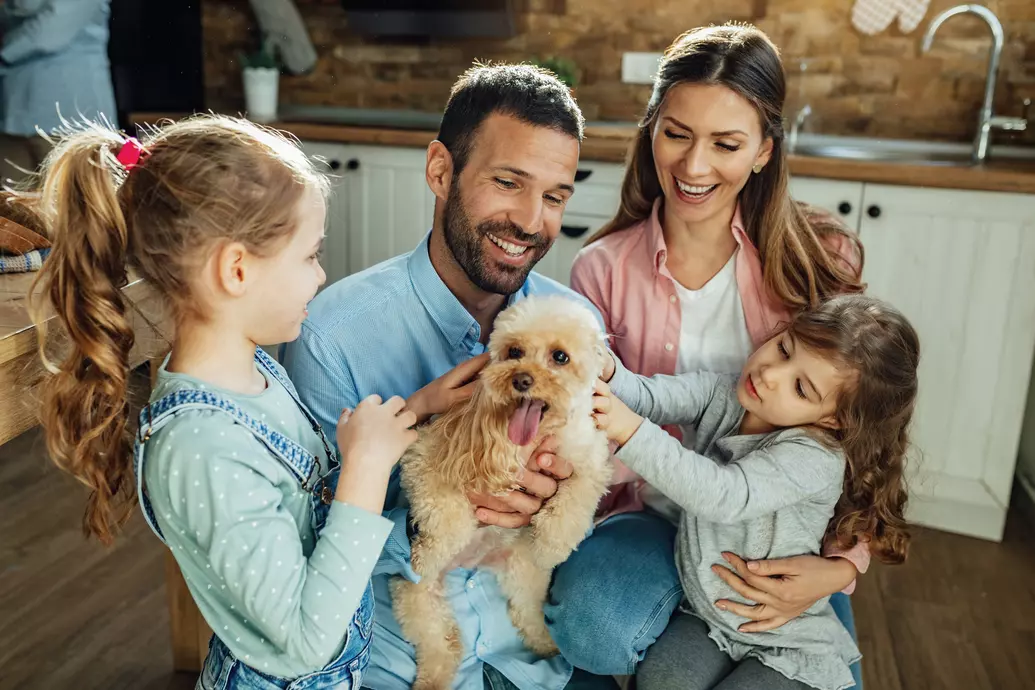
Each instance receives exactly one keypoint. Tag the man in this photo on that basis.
(502, 169)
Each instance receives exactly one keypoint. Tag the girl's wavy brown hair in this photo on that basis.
(875, 341)
(202, 181)
(794, 241)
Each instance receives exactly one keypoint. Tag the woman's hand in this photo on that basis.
(453, 387)
(783, 589)
(538, 483)
(613, 416)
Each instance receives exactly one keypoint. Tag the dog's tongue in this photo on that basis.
(524, 423)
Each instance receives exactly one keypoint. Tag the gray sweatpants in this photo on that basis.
(684, 657)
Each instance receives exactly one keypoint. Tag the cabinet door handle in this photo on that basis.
(873, 211)
(581, 174)
(334, 164)
(574, 231)
(353, 164)
(844, 208)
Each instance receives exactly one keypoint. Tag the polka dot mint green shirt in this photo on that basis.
(239, 525)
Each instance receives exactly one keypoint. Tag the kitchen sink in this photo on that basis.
(902, 150)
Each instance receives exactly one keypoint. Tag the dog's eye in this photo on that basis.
(560, 356)
(515, 353)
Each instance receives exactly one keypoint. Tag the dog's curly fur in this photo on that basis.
(468, 450)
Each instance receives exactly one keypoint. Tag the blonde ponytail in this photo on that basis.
(84, 400)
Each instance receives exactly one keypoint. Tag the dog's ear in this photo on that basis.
(474, 451)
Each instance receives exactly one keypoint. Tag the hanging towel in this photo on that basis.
(282, 25)
(874, 16)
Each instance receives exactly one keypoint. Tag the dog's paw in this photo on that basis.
(548, 551)
(541, 643)
(428, 683)
(435, 673)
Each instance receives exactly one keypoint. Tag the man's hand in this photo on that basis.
(539, 482)
(453, 387)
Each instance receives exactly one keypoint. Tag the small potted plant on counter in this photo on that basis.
(261, 75)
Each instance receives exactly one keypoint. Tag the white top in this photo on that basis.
(713, 337)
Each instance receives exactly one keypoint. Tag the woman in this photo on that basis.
(705, 257)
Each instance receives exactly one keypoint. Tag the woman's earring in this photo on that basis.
(757, 168)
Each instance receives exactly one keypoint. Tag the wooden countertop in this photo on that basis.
(610, 143)
(20, 368)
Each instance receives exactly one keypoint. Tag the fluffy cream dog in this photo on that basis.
(546, 353)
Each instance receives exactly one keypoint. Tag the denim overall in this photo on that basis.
(223, 671)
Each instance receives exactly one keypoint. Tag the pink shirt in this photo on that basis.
(624, 275)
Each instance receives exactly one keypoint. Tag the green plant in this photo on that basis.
(264, 57)
(565, 69)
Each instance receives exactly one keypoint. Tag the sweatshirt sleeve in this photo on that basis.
(663, 399)
(761, 482)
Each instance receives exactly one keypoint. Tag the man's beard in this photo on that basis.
(465, 241)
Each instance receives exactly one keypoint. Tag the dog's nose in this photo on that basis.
(522, 382)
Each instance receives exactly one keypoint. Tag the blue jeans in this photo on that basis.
(580, 680)
(615, 595)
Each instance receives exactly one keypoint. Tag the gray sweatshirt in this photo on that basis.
(760, 496)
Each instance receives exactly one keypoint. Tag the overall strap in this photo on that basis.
(299, 461)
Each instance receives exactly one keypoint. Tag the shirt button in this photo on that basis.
(470, 584)
(668, 347)
(672, 298)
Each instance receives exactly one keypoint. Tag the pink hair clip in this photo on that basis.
(130, 154)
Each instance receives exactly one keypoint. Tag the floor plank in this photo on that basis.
(960, 615)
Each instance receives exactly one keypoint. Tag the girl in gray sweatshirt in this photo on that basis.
(812, 433)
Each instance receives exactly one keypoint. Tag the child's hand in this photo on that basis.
(613, 416)
(609, 366)
(375, 435)
(451, 388)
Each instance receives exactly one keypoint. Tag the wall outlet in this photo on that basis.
(639, 68)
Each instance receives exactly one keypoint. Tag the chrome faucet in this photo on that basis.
(799, 122)
(986, 119)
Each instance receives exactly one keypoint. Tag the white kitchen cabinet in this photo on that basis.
(597, 191)
(961, 266)
(331, 158)
(576, 229)
(842, 198)
(390, 206)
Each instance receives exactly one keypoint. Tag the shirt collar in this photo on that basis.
(445, 310)
(449, 315)
(659, 250)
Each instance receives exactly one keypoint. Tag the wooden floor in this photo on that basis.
(75, 616)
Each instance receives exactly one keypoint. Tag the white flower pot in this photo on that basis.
(260, 93)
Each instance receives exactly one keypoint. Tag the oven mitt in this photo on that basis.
(874, 16)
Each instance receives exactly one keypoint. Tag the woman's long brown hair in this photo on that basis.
(876, 342)
(203, 180)
(798, 270)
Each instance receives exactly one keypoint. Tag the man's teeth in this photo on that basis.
(509, 247)
(690, 189)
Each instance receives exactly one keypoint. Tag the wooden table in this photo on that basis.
(20, 372)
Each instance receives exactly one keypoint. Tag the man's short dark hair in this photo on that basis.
(528, 93)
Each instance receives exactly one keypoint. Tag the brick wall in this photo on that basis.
(856, 84)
